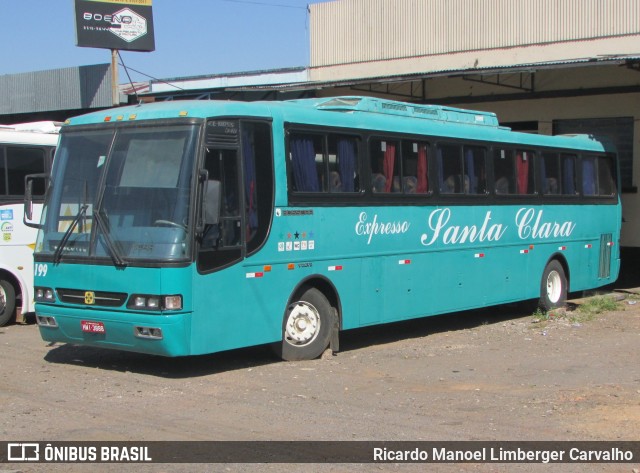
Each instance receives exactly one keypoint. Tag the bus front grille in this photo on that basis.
(97, 298)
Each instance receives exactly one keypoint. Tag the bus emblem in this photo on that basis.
(89, 297)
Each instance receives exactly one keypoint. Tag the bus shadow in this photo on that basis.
(163, 367)
(422, 327)
(240, 359)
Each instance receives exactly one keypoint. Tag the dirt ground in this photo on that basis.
(492, 374)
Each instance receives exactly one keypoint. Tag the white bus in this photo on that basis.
(25, 148)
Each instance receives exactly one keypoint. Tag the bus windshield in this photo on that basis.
(121, 194)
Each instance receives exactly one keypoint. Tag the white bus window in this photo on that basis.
(20, 162)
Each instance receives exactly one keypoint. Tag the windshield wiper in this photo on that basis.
(114, 251)
(65, 238)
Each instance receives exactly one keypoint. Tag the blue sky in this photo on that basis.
(192, 37)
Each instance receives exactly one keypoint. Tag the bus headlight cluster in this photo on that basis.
(153, 302)
(44, 294)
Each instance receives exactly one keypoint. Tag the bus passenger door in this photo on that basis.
(234, 229)
(218, 287)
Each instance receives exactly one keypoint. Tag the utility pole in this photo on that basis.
(115, 90)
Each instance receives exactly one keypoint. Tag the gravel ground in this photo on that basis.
(492, 374)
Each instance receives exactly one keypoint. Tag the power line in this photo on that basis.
(146, 75)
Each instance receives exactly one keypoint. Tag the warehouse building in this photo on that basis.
(543, 66)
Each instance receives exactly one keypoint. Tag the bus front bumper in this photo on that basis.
(165, 335)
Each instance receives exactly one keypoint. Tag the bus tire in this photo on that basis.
(7, 301)
(553, 286)
(307, 326)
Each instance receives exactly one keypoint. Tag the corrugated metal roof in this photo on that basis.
(530, 67)
(268, 78)
(70, 88)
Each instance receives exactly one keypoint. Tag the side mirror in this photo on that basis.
(27, 217)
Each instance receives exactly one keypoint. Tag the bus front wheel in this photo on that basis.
(7, 301)
(307, 326)
(553, 287)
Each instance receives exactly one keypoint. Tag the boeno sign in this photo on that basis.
(115, 24)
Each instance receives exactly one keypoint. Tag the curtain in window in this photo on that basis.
(388, 164)
(568, 173)
(249, 158)
(589, 176)
(470, 172)
(303, 157)
(347, 164)
(522, 172)
(423, 184)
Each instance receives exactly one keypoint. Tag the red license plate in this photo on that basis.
(92, 327)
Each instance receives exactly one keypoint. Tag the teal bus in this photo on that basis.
(191, 227)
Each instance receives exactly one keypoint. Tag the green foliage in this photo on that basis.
(584, 312)
(540, 315)
(597, 305)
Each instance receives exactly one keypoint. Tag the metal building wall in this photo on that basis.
(70, 88)
(352, 31)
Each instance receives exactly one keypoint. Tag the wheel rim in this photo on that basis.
(554, 286)
(302, 325)
(3, 299)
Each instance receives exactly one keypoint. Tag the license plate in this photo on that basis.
(92, 327)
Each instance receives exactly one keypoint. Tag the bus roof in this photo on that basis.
(33, 133)
(373, 113)
(37, 127)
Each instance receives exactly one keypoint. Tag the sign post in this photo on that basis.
(116, 25)
(115, 91)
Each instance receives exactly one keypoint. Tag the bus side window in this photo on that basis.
(385, 167)
(589, 176)
(525, 182)
(504, 172)
(343, 164)
(450, 170)
(223, 167)
(246, 200)
(307, 162)
(598, 176)
(475, 170)
(568, 170)
(606, 176)
(258, 182)
(550, 171)
(414, 167)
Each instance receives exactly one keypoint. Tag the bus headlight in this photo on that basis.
(153, 302)
(173, 302)
(44, 294)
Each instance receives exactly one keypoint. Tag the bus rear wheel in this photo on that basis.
(553, 287)
(7, 301)
(307, 326)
